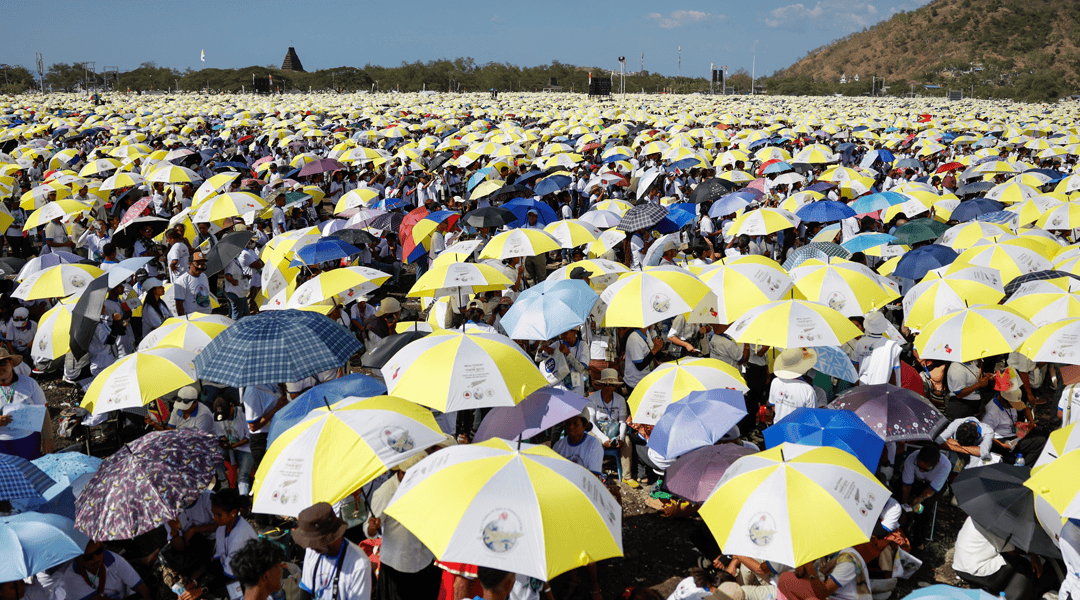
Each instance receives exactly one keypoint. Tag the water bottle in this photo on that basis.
(178, 589)
(1019, 463)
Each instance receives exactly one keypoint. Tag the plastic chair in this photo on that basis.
(614, 453)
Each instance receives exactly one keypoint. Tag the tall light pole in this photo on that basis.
(680, 62)
(622, 75)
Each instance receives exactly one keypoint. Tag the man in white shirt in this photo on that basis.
(1069, 407)
(277, 214)
(408, 568)
(876, 356)
(192, 289)
(178, 256)
(788, 391)
(98, 573)
(233, 532)
(641, 351)
(236, 289)
(330, 561)
(968, 437)
(980, 560)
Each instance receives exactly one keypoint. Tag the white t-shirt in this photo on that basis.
(120, 579)
(637, 348)
(354, 581)
(877, 357)
(179, 253)
(936, 476)
(788, 394)
(200, 420)
(986, 439)
(236, 271)
(194, 292)
(226, 545)
(850, 574)
(257, 401)
(1070, 553)
(1069, 404)
(589, 453)
(688, 590)
(890, 515)
(1000, 417)
(608, 418)
(978, 552)
(961, 375)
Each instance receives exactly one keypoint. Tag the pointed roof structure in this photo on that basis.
(292, 61)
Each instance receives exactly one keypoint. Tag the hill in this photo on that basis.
(1021, 49)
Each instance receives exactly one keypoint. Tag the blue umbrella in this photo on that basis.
(354, 384)
(19, 478)
(969, 209)
(824, 211)
(275, 346)
(834, 362)
(676, 219)
(864, 241)
(323, 250)
(1000, 217)
(730, 204)
(551, 184)
(539, 411)
(548, 309)
(841, 429)
(34, 542)
(389, 203)
(521, 206)
(915, 264)
(698, 420)
(947, 592)
(67, 464)
(871, 202)
(479, 177)
(873, 156)
(777, 167)
(617, 158)
(57, 500)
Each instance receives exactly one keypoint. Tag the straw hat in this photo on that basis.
(609, 377)
(794, 362)
(388, 306)
(875, 323)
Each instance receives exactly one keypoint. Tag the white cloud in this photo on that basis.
(847, 14)
(497, 19)
(680, 18)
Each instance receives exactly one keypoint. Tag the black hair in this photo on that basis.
(967, 434)
(254, 559)
(491, 578)
(227, 500)
(929, 455)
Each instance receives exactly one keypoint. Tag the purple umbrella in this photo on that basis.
(896, 414)
(321, 165)
(147, 483)
(540, 410)
(695, 475)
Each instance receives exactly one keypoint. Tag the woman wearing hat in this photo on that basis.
(334, 568)
(608, 412)
(154, 311)
(788, 390)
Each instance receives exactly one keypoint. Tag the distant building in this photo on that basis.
(292, 61)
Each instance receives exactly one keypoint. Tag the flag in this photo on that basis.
(202, 55)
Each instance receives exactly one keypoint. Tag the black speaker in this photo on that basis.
(600, 87)
(260, 85)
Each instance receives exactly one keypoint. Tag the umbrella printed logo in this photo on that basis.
(762, 529)
(501, 530)
(836, 301)
(282, 494)
(77, 281)
(397, 439)
(660, 303)
(42, 344)
(304, 296)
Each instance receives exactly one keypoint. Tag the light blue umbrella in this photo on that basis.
(69, 464)
(324, 394)
(841, 429)
(871, 202)
(865, 241)
(698, 420)
(834, 362)
(123, 270)
(548, 309)
(35, 542)
(948, 592)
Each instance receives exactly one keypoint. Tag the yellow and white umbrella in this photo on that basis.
(849, 287)
(455, 370)
(965, 235)
(517, 508)
(519, 242)
(571, 233)
(213, 186)
(190, 334)
(639, 299)
(53, 210)
(673, 381)
(937, 296)
(1060, 442)
(1010, 259)
(972, 333)
(170, 173)
(1058, 484)
(56, 282)
(356, 198)
(138, 378)
(454, 278)
(738, 287)
(1057, 342)
(53, 337)
(348, 282)
(793, 324)
(232, 204)
(793, 503)
(1043, 302)
(763, 221)
(336, 450)
(1060, 217)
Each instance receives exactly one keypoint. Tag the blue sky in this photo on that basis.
(326, 34)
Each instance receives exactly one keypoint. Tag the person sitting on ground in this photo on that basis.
(99, 574)
(232, 531)
(258, 566)
(841, 575)
(967, 436)
(988, 562)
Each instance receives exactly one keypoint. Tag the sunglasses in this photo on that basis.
(89, 555)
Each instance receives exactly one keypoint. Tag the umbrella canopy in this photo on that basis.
(323, 250)
(997, 501)
(1058, 485)
(675, 381)
(36, 542)
(457, 370)
(894, 413)
(353, 385)
(793, 503)
(527, 510)
(793, 324)
(821, 251)
(225, 251)
(339, 448)
(699, 419)
(541, 410)
(975, 332)
(180, 332)
(639, 299)
(382, 351)
(1054, 342)
(456, 278)
(346, 282)
(71, 465)
(1060, 442)
(519, 242)
(138, 378)
(548, 309)
(146, 483)
(736, 287)
(841, 429)
(848, 287)
(695, 474)
(490, 216)
(825, 211)
(19, 478)
(948, 592)
(710, 189)
(642, 216)
(943, 293)
(56, 282)
(276, 346)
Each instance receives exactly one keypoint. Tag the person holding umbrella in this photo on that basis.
(333, 566)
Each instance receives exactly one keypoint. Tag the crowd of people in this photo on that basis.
(203, 206)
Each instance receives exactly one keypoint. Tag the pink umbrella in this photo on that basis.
(695, 475)
(137, 210)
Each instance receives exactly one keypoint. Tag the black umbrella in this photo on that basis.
(997, 500)
(390, 221)
(225, 250)
(356, 237)
(710, 190)
(490, 216)
(642, 216)
(386, 348)
(126, 237)
(1012, 286)
(86, 314)
(977, 187)
(439, 160)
